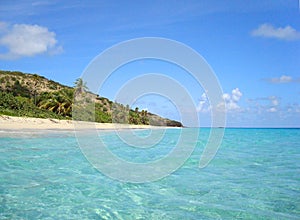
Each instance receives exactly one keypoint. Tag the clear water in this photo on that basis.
(255, 175)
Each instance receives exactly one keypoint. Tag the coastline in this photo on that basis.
(28, 123)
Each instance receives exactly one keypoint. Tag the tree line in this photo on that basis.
(19, 100)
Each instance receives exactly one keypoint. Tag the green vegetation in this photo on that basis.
(32, 95)
(80, 86)
(22, 106)
(58, 102)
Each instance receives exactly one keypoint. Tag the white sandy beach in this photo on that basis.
(16, 123)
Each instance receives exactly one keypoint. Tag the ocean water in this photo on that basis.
(255, 175)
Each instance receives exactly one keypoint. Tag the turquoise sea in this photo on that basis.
(255, 175)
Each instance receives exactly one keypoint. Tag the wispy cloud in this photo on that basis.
(263, 105)
(42, 3)
(287, 33)
(274, 104)
(274, 108)
(24, 40)
(282, 79)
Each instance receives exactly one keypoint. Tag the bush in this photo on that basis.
(22, 106)
(102, 117)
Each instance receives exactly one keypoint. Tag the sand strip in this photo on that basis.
(25, 123)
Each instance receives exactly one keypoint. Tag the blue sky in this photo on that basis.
(252, 46)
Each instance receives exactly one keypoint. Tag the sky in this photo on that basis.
(252, 46)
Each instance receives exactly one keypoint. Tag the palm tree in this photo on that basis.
(144, 117)
(80, 86)
(58, 102)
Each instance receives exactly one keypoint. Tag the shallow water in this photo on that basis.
(255, 175)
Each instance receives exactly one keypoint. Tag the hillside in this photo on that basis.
(27, 84)
(32, 95)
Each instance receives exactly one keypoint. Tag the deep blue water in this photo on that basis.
(255, 175)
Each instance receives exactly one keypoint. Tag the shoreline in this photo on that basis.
(13, 123)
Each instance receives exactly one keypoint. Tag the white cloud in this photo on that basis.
(203, 96)
(293, 108)
(272, 109)
(274, 104)
(236, 94)
(283, 33)
(232, 106)
(282, 79)
(41, 3)
(230, 102)
(274, 100)
(265, 104)
(23, 40)
(203, 105)
(226, 97)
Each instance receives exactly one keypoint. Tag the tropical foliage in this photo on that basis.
(22, 106)
(35, 96)
(58, 102)
(80, 86)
